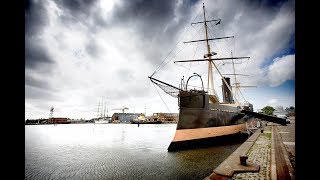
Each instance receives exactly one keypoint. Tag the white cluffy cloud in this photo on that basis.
(281, 70)
(273, 101)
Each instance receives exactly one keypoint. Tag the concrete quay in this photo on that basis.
(270, 153)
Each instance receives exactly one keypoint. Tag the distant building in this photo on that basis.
(124, 117)
(290, 111)
(76, 121)
(36, 121)
(58, 120)
(279, 112)
(165, 117)
(279, 109)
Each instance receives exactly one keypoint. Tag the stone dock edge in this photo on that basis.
(279, 166)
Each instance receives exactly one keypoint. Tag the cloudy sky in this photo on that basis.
(80, 53)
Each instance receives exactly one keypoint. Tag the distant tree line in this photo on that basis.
(268, 110)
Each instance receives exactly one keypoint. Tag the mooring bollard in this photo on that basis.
(243, 160)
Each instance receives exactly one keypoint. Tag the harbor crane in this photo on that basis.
(51, 115)
(122, 109)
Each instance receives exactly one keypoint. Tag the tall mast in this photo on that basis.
(98, 110)
(207, 57)
(104, 112)
(210, 78)
(235, 80)
(101, 109)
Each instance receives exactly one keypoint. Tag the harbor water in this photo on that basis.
(114, 151)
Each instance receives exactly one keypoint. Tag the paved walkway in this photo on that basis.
(273, 150)
(287, 134)
(259, 154)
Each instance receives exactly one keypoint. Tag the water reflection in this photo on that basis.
(114, 151)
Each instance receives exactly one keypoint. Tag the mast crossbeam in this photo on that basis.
(212, 59)
(244, 86)
(236, 74)
(209, 39)
(219, 21)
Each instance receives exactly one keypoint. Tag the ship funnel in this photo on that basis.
(227, 97)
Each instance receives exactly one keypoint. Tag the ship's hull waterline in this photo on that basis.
(206, 137)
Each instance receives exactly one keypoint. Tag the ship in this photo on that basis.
(203, 119)
(102, 120)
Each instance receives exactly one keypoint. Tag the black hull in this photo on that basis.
(152, 122)
(206, 124)
(196, 112)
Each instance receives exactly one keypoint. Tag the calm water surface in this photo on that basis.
(114, 151)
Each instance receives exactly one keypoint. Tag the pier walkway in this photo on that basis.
(270, 154)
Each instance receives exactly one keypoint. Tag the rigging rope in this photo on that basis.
(242, 95)
(159, 67)
(161, 98)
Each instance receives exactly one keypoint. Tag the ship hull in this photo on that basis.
(206, 141)
(201, 122)
(214, 116)
(204, 137)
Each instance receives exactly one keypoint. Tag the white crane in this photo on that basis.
(122, 109)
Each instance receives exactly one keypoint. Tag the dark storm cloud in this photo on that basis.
(152, 16)
(92, 48)
(36, 17)
(147, 10)
(156, 23)
(149, 16)
(38, 88)
(77, 6)
(35, 53)
(81, 11)
(227, 11)
(98, 20)
(34, 82)
(35, 93)
(267, 3)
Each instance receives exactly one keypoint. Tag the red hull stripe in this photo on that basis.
(200, 133)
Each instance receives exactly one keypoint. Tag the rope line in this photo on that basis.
(161, 98)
